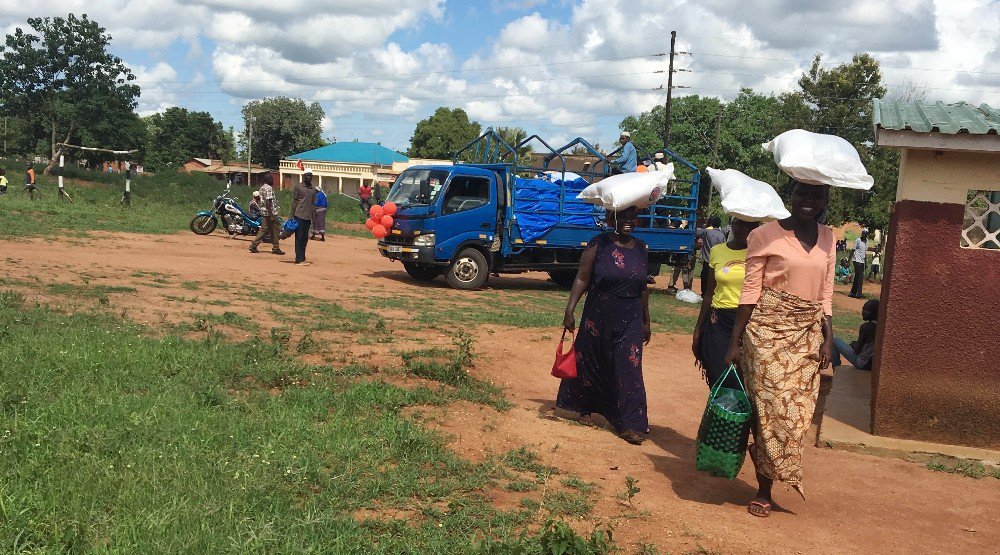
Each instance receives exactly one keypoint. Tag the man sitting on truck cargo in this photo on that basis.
(628, 159)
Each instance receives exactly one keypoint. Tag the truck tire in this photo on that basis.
(563, 278)
(421, 272)
(469, 270)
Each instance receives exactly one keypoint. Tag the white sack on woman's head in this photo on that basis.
(619, 192)
(747, 198)
(819, 159)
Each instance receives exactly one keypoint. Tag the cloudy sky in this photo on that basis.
(559, 68)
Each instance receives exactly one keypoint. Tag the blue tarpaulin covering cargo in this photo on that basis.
(536, 206)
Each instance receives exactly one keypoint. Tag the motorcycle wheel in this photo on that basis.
(203, 225)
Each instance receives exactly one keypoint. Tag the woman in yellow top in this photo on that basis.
(720, 300)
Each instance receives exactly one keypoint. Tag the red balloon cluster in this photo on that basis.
(381, 219)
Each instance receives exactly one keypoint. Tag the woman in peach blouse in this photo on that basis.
(784, 325)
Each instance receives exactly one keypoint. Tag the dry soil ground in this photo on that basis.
(855, 503)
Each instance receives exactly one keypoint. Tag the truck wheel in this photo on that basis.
(469, 270)
(421, 272)
(563, 278)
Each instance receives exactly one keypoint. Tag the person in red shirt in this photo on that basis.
(365, 194)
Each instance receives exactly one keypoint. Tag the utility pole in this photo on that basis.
(715, 149)
(249, 147)
(670, 90)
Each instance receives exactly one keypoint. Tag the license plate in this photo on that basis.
(395, 248)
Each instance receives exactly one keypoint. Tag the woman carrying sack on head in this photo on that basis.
(613, 330)
(721, 299)
(786, 306)
(784, 323)
(748, 202)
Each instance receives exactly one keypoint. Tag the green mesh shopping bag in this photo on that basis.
(725, 429)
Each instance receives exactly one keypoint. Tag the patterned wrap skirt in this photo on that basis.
(781, 364)
(319, 220)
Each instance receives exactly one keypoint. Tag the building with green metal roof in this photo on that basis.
(935, 373)
(937, 125)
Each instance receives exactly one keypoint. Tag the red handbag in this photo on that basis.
(565, 364)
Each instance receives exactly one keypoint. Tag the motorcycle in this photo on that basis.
(227, 211)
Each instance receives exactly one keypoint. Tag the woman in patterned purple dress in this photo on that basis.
(614, 327)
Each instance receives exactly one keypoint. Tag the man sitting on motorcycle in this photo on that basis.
(254, 209)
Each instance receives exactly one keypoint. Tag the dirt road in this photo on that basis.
(855, 503)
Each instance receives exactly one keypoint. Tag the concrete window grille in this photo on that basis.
(981, 228)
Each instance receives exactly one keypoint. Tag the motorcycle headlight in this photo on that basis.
(424, 240)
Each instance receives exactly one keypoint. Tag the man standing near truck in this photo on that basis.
(365, 196)
(628, 159)
(303, 205)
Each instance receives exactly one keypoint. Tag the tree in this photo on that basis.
(63, 80)
(127, 130)
(281, 127)
(19, 138)
(177, 135)
(442, 134)
(513, 136)
(692, 131)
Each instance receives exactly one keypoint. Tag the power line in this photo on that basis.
(713, 55)
(394, 88)
(787, 78)
(421, 73)
(452, 98)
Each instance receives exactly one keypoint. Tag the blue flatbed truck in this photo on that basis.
(469, 220)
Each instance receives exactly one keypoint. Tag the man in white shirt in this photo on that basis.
(858, 258)
(658, 162)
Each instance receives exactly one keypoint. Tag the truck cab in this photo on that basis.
(488, 214)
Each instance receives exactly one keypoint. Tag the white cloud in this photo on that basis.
(156, 97)
(577, 71)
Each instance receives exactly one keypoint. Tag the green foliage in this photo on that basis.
(969, 469)
(451, 367)
(442, 134)
(216, 447)
(161, 203)
(60, 78)
(631, 489)
(513, 136)
(555, 538)
(177, 135)
(281, 126)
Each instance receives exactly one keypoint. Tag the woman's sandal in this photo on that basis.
(587, 420)
(764, 508)
(632, 437)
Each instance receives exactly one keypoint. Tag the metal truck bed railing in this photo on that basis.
(671, 211)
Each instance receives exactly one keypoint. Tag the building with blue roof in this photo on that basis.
(343, 166)
(352, 153)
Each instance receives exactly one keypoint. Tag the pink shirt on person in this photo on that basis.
(776, 260)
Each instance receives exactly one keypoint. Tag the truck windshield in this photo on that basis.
(417, 186)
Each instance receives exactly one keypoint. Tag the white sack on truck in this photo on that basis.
(819, 159)
(747, 198)
(619, 192)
